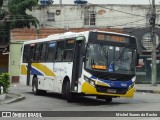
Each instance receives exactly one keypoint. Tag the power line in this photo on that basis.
(104, 18)
(61, 20)
(83, 21)
(101, 19)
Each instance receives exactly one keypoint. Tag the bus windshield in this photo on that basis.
(110, 58)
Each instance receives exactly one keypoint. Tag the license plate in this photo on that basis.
(111, 91)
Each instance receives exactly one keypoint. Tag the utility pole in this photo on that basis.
(154, 56)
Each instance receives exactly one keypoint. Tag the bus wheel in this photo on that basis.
(35, 89)
(108, 99)
(69, 95)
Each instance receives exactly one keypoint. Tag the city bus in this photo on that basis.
(89, 63)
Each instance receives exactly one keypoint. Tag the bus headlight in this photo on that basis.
(90, 81)
(133, 79)
(131, 86)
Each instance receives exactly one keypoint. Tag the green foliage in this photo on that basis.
(5, 81)
(1, 3)
(18, 15)
(20, 6)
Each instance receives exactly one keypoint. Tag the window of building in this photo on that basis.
(90, 18)
(51, 17)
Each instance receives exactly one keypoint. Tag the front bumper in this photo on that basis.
(91, 90)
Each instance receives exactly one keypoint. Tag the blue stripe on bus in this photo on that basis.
(116, 84)
(35, 71)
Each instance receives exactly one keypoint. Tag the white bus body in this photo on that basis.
(55, 75)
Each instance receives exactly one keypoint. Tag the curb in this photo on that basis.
(149, 91)
(16, 99)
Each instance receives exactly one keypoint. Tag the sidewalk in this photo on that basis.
(16, 91)
(147, 88)
(14, 94)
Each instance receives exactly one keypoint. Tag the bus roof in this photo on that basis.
(116, 33)
(70, 35)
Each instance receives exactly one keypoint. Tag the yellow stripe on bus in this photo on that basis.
(23, 70)
(43, 69)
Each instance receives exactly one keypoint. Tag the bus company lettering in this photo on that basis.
(56, 69)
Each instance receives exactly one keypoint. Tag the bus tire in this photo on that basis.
(69, 95)
(108, 99)
(35, 89)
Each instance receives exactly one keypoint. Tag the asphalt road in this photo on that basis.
(54, 102)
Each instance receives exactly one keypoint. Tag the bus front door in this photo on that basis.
(77, 64)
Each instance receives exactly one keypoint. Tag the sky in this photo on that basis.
(110, 1)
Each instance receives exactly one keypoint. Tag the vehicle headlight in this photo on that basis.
(133, 79)
(131, 86)
(90, 81)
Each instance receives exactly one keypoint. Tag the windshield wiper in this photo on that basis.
(105, 53)
(92, 61)
(122, 53)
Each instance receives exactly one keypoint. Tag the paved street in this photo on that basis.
(54, 102)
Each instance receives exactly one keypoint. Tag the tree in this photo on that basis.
(1, 3)
(4, 25)
(18, 16)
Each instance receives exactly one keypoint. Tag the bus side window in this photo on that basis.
(43, 52)
(37, 51)
(59, 51)
(69, 50)
(68, 55)
(51, 51)
(26, 53)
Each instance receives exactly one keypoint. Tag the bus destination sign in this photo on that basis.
(113, 38)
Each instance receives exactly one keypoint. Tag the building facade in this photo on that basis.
(131, 19)
(95, 16)
(144, 69)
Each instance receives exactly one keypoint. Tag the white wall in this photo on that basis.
(72, 16)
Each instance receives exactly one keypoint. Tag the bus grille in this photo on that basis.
(104, 89)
